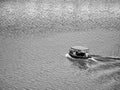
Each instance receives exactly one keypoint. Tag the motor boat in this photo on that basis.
(78, 53)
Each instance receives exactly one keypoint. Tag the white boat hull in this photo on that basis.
(69, 57)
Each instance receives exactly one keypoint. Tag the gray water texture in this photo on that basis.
(47, 16)
(35, 63)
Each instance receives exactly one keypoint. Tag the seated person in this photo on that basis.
(81, 54)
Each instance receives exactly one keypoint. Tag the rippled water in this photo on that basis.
(35, 36)
(34, 63)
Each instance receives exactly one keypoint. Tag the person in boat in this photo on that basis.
(79, 52)
(79, 55)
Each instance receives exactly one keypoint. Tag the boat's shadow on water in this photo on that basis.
(106, 70)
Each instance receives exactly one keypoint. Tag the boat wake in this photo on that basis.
(103, 70)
